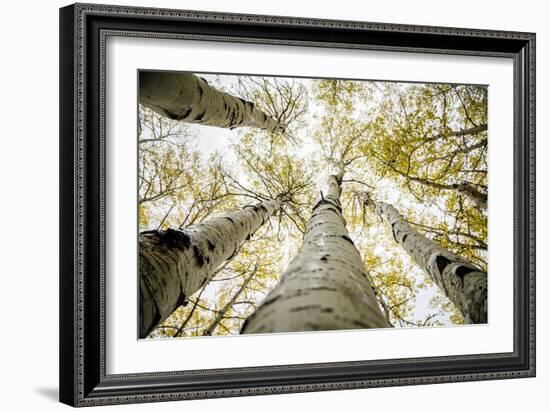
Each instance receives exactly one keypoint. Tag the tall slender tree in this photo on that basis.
(189, 98)
(325, 287)
(283, 99)
(477, 197)
(228, 306)
(173, 264)
(462, 282)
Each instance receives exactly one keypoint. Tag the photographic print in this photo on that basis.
(282, 204)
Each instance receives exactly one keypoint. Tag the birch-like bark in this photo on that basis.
(189, 98)
(477, 198)
(465, 132)
(481, 143)
(174, 264)
(325, 287)
(461, 281)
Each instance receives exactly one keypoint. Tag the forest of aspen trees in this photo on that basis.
(278, 204)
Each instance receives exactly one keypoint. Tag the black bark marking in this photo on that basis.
(462, 270)
(199, 256)
(156, 318)
(155, 232)
(246, 103)
(324, 258)
(182, 300)
(177, 239)
(325, 201)
(200, 116)
(232, 115)
(233, 254)
(393, 232)
(145, 266)
(304, 308)
(327, 310)
(269, 302)
(311, 227)
(441, 263)
(345, 237)
(334, 209)
(184, 114)
(171, 238)
(404, 238)
(211, 246)
(322, 289)
(313, 327)
(151, 327)
(230, 219)
(171, 115)
(257, 208)
(296, 294)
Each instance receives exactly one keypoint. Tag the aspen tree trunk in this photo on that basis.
(481, 143)
(189, 98)
(457, 133)
(477, 198)
(223, 311)
(173, 264)
(325, 287)
(461, 281)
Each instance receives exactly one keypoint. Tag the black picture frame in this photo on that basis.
(83, 30)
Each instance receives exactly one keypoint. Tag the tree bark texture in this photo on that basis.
(174, 264)
(457, 133)
(325, 287)
(189, 98)
(461, 281)
(477, 198)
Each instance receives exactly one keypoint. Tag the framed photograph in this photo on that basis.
(261, 204)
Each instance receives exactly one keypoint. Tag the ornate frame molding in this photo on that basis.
(83, 35)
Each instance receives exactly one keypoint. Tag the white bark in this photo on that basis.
(461, 281)
(476, 197)
(174, 264)
(189, 98)
(465, 132)
(325, 287)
